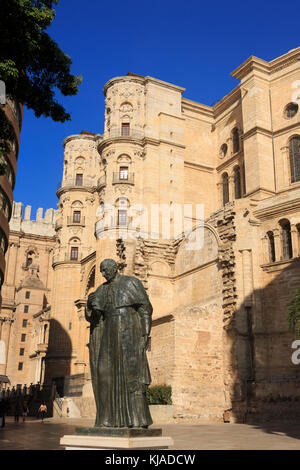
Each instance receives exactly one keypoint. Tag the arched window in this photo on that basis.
(295, 158)
(237, 183)
(225, 186)
(272, 257)
(74, 245)
(286, 238)
(122, 205)
(235, 140)
(298, 233)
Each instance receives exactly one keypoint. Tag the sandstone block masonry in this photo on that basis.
(220, 337)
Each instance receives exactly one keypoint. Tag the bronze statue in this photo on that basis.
(119, 312)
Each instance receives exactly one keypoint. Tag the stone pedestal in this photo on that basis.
(116, 438)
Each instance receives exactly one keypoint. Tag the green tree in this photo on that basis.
(293, 312)
(32, 65)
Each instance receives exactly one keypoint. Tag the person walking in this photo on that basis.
(25, 412)
(18, 410)
(3, 408)
(43, 411)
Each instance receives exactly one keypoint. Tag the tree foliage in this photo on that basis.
(159, 395)
(32, 65)
(293, 312)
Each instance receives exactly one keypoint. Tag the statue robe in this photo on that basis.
(119, 366)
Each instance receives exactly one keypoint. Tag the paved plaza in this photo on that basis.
(35, 435)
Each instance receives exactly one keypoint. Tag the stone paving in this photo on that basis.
(35, 435)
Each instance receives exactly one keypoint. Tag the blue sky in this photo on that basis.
(192, 44)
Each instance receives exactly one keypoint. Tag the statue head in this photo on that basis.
(108, 269)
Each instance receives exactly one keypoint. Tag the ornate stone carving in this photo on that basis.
(123, 188)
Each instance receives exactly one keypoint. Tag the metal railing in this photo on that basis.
(118, 179)
(71, 221)
(75, 182)
(66, 257)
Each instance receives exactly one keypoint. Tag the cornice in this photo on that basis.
(277, 209)
(199, 108)
(89, 257)
(141, 80)
(279, 265)
(254, 64)
(70, 138)
(135, 141)
(199, 167)
(65, 189)
(31, 236)
(251, 64)
(229, 161)
(257, 130)
(228, 100)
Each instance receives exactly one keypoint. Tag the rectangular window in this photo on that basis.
(20, 366)
(122, 217)
(125, 128)
(76, 217)
(26, 308)
(24, 325)
(70, 326)
(22, 350)
(23, 338)
(79, 179)
(124, 173)
(74, 253)
(27, 295)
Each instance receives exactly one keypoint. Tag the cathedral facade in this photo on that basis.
(202, 204)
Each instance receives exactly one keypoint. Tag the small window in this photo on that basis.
(286, 237)
(79, 179)
(26, 308)
(225, 186)
(27, 295)
(125, 128)
(122, 217)
(20, 366)
(272, 257)
(237, 183)
(294, 152)
(24, 324)
(22, 351)
(291, 110)
(74, 253)
(124, 173)
(29, 259)
(23, 338)
(70, 326)
(235, 140)
(223, 150)
(298, 236)
(76, 217)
